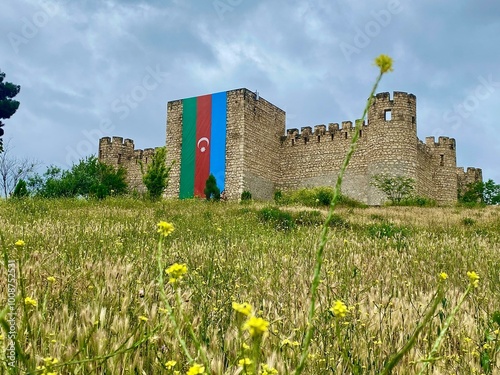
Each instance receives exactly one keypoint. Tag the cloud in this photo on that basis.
(88, 56)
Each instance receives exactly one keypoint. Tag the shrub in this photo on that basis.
(88, 178)
(280, 219)
(212, 192)
(395, 188)
(246, 196)
(315, 197)
(417, 202)
(156, 176)
(339, 222)
(278, 197)
(346, 201)
(20, 191)
(468, 221)
(309, 218)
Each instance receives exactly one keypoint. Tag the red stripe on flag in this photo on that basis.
(203, 122)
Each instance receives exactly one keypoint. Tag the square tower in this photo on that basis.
(234, 135)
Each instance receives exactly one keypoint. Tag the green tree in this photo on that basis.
(491, 193)
(88, 178)
(8, 106)
(21, 190)
(212, 192)
(481, 192)
(395, 188)
(156, 176)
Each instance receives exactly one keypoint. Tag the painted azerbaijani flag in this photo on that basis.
(203, 149)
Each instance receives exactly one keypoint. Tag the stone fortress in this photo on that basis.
(262, 156)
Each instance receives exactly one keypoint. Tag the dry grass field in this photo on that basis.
(89, 299)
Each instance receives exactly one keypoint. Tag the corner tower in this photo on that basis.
(392, 143)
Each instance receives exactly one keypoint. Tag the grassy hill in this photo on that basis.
(91, 270)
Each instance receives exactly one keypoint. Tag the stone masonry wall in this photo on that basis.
(261, 158)
(174, 145)
(465, 178)
(425, 172)
(313, 158)
(443, 165)
(118, 152)
(264, 124)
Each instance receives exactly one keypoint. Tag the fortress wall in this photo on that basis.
(444, 168)
(121, 153)
(314, 157)
(424, 184)
(235, 129)
(259, 158)
(393, 139)
(465, 178)
(264, 123)
(174, 145)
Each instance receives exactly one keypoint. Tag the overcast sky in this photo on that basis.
(93, 68)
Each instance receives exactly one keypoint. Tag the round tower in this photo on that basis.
(392, 139)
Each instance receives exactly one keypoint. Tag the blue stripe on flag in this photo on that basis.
(218, 138)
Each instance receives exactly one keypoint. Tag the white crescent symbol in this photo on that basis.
(203, 148)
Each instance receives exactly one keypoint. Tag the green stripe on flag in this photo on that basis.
(188, 151)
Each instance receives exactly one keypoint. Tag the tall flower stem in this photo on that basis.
(326, 224)
(164, 299)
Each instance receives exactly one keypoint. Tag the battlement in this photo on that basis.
(398, 96)
(332, 132)
(118, 151)
(442, 142)
(261, 155)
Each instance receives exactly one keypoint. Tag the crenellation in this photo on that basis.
(347, 125)
(120, 152)
(319, 130)
(263, 156)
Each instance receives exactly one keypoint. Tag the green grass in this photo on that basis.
(382, 262)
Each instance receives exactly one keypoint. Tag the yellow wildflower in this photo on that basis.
(243, 308)
(20, 243)
(245, 346)
(176, 271)
(268, 370)
(165, 229)
(384, 62)
(51, 279)
(50, 361)
(474, 278)
(286, 342)
(143, 318)
(1, 337)
(256, 326)
(196, 369)
(244, 362)
(30, 302)
(443, 276)
(170, 364)
(339, 309)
